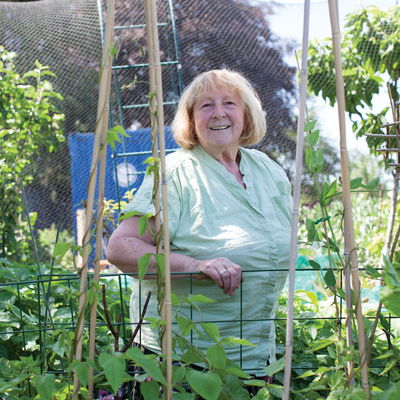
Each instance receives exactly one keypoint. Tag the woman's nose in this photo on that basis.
(219, 111)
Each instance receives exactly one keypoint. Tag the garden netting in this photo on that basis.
(195, 36)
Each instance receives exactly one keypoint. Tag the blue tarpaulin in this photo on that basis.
(81, 151)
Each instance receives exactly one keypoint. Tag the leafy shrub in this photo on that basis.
(28, 121)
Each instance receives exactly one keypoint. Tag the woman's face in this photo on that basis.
(219, 119)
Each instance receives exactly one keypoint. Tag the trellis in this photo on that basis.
(155, 67)
(155, 81)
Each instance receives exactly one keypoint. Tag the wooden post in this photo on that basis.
(296, 202)
(346, 193)
(102, 121)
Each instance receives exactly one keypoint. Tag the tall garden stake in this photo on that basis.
(346, 194)
(296, 201)
(160, 117)
(153, 119)
(99, 224)
(103, 101)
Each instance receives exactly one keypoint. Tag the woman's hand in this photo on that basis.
(226, 274)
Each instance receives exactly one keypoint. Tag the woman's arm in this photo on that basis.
(125, 247)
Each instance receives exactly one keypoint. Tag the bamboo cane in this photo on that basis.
(296, 202)
(152, 81)
(349, 306)
(103, 100)
(346, 193)
(160, 117)
(99, 227)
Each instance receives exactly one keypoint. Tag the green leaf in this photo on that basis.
(73, 365)
(393, 393)
(160, 260)
(143, 264)
(313, 297)
(254, 382)
(211, 330)
(319, 345)
(216, 356)
(199, 298)
(234, 385)
(45, 385)
(373, 273)
(60, 249)
(373, 184)
(119, 129)
(178, 374)
(314, 264)
(313, 138)
(111, 137)
(207, 385)
(13, 383)
(385, 355)
(275, 390)
(384, 323)
(355, 183)
(188, 301)
(182, 396)
(128, 215)
(309, 126)
(83, 373)
(390, 299)
(330, 278)
(262, 394)
(175, 300)
(114, 369)
(5, 261)
(233, 340)
(143, 224)
(150, 390)
(185, 325)
(192, 356)
(319, 160)
(275, 367)
(310, 226)
(341, 293)
(148, 364)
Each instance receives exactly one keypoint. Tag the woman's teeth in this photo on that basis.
(218, 128)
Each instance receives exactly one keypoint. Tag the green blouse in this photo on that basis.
(211, 215)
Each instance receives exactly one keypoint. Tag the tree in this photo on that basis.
(28, 121)
(220, 34)
(371, 53)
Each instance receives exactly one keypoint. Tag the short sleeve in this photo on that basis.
(142, 202)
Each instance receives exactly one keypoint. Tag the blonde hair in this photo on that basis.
(183, 124)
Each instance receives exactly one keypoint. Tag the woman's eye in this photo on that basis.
(206, 105)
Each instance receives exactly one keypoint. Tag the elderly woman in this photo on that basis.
(229, 218)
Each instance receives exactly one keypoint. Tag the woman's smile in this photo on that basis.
(219, 119)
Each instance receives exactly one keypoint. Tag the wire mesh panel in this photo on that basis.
(67, 36)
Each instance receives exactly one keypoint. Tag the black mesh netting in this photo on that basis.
(66, 35)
